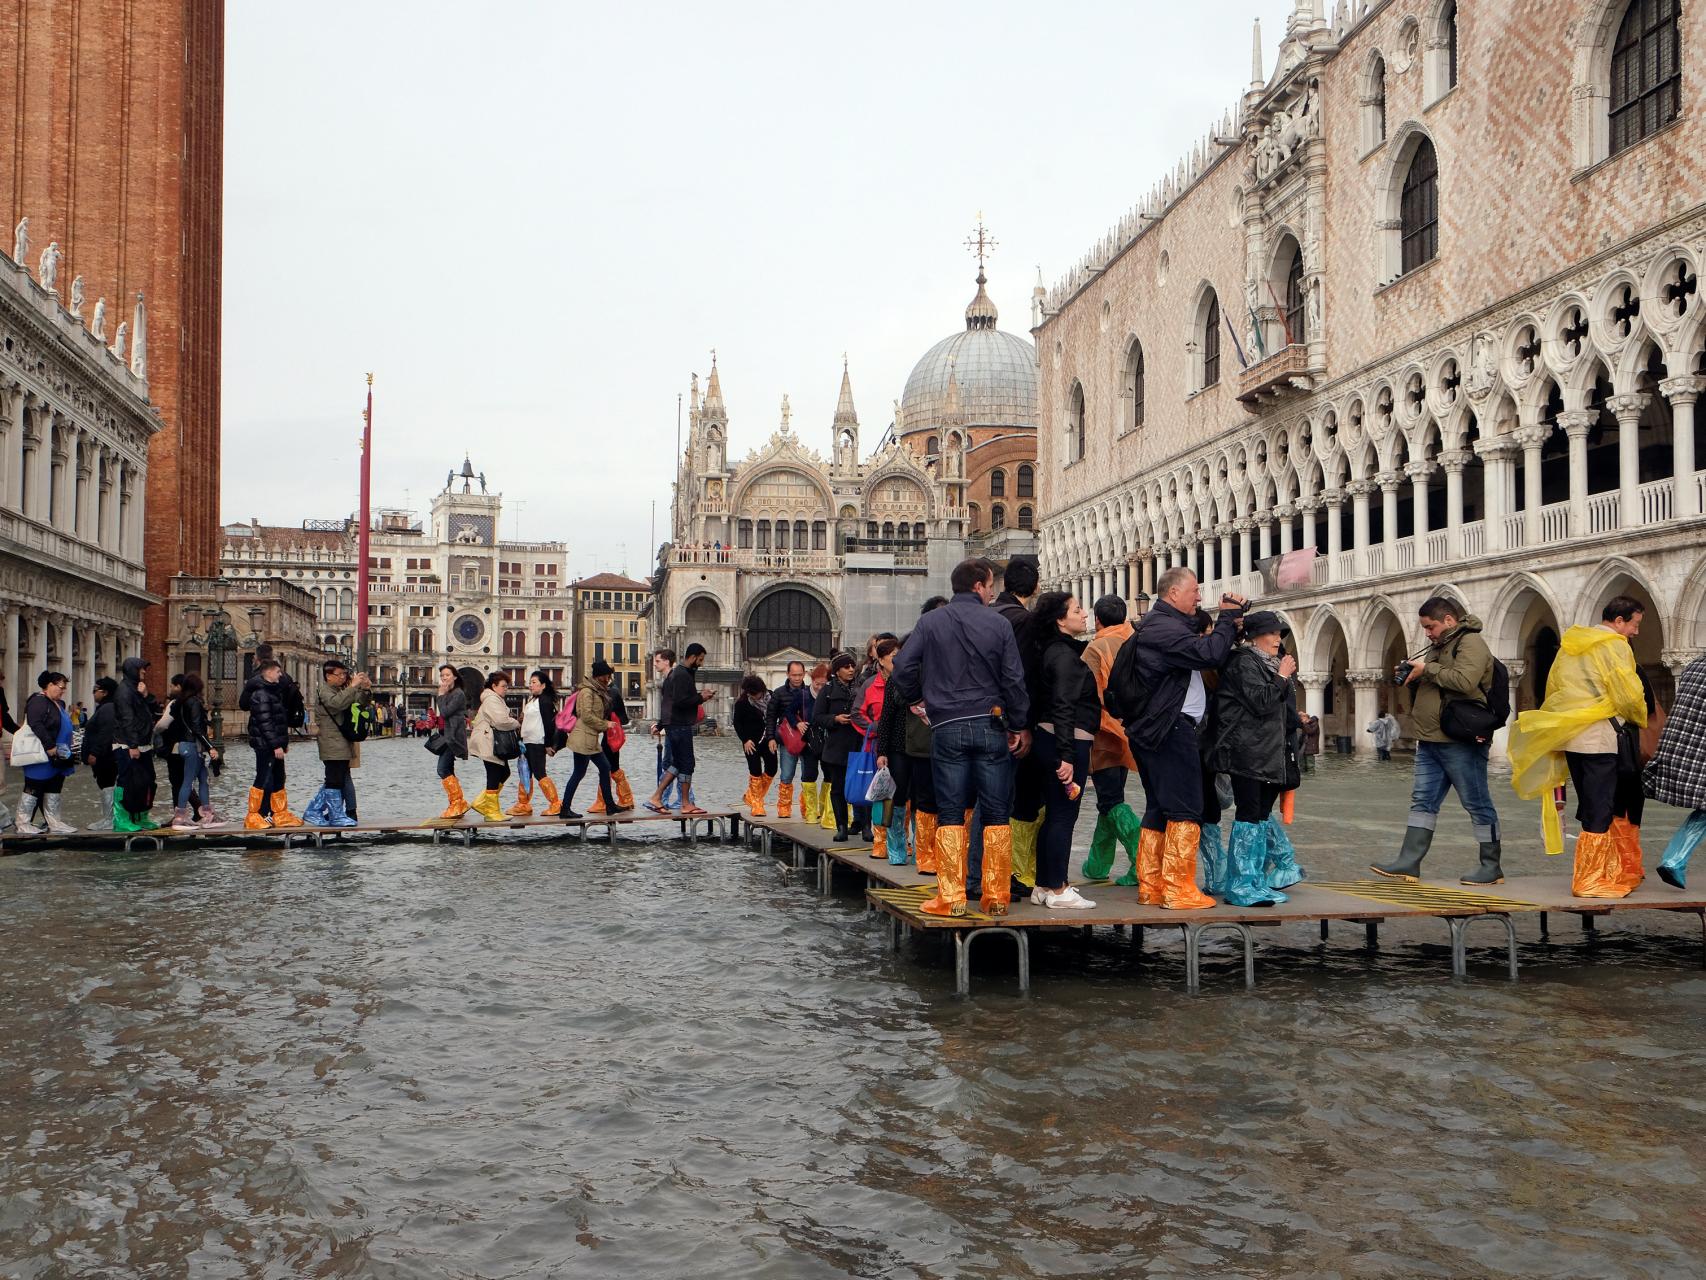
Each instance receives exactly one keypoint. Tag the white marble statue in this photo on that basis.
(47, 273)
(77, 298)
(98, 326)
(139, 340)
(21, 242)
(118, 342)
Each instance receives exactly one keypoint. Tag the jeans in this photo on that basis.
(194, 770)
(786, 763)
(1110, 788)
(1444, 766)
(678, 750)
(1054, 840)
(602, 764)
(269, 772)
(674, 794)
(970, 763)
(446, 764)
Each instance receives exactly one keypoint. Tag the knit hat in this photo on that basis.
(602, 668)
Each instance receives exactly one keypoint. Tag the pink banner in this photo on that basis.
(1293, 568)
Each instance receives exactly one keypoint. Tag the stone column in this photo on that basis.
(1628, 410)
(1531, 438)
(11, 492)
(1264, 534)
(1225, 532)
(1419, 473)
(1314, 695)
(1244, 526)
(1682, 394)
(1335, 500)
(1454, 461)
(1577, 423)
(63, 628)
(1359, 491)
(9, 617)
(38, 648)
(1306, 509)
(41, 482)
(108, 537)
(1365, 692)
(60, 475)
(84, 677)
(84, 525)
(1284, 515)
(1495, 459)
(1389, 482)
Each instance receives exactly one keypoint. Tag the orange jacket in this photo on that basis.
(1110, 747)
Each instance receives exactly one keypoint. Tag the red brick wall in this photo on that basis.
(113, 114)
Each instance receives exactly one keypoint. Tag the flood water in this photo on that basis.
(530, 1058)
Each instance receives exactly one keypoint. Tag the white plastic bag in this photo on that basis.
(882, 786)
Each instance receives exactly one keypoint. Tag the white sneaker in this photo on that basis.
(1039, 897)
(1068, 899)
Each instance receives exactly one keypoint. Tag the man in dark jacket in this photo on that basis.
(1030, 781)
(98, 748)
(964, 661)
(1157, 682)
(791, 704)
(269, 735)
(681, 699)
(290, 693)
(133, 750)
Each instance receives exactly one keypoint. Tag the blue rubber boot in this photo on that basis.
(1211, 857)
(1285, 872)
(1673, 870)
(1248, 882)
(899, 854)
(336, 815)
(315, 814)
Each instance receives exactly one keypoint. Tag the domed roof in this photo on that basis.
(995, 374)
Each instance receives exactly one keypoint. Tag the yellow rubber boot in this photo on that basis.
(487, 807)
(825, 807)
(523, 806)
(281, 814)
(808, 802)
(554, 802)
(1025, 851)
(254, 821)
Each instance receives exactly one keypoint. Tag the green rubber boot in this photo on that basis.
(1127, 826)
(1101, 856)
(123, 820)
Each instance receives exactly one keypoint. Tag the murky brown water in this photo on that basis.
(535, 1059)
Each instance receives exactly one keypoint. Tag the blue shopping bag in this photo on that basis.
(861, 769)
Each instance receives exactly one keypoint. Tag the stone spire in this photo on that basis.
(712, 409)
(981, 312)
(845, 414)
(1257, 79)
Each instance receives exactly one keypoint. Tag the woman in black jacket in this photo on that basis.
(751, 722)
(1066, 711)
(1251, 709)
(832, 718)
(98, 748)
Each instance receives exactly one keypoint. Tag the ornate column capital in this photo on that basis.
(1629, 407)
(1684, 390)
(1360, 488)
(1419, 471)
(1531, 437)
(1333, 497)
(1313, 681)
(1455, 460)
(1389, 480)
(1365, 679)
(1497, 448)
(1578, 422)
(1677, 659)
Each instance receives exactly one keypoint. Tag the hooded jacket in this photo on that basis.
(1250, 714)
(1110, 749)
(1153, 670)
(98, 732)
(134, 727)
(1677, 773)
(1459, 665)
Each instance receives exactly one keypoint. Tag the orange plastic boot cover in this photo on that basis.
(950, 899)
(1150, 844)
(997, 869)
(1179, 869)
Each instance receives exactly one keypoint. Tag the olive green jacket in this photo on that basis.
(329, 704)
(1459, 665)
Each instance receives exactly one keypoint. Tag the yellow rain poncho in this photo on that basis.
(1593, 679)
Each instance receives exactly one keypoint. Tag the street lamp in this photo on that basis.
(1140, 602)
(220, 641)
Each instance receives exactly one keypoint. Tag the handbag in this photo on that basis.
(435, 742)
(615, 736)
(1628, 749)
(790, 737)
(861, 772)
(27, 747)
(506, 743)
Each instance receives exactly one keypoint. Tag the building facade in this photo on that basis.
(252, 610)
(1426, 303)
(612, 623)
(789, 553)
(75, 426)
(115, 126)
(446, 590)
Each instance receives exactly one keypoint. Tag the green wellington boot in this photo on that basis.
(1100, 859)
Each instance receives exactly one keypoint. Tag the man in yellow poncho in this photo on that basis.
(1573, 737)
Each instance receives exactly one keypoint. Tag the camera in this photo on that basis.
(1401, 673)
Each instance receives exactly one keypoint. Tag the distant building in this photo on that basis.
(612, 624)
(215, 626)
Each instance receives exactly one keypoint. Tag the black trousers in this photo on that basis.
(1030, 786)
(837, 775)
(914, 782)
(496, 775)
(105, 770)
(762, 762)
(337, 774)
(808, 766)
(581, 762)
(537, 760)
(1595, 779)
(1254, 798)
(1110, 788)
(1172, 776)
(269, 771)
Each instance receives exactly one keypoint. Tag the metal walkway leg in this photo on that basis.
(1459, 925)
(1193, 950)
(963, 939)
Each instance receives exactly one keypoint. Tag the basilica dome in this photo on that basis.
(995, 374)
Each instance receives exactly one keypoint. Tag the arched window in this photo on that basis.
(871, 531)
(820, 535)
(998, 483)
(1294, 308)
(1375, 104)
(764, 535)
(1211, 341)
(1075, 424)
(1646, 72)
(932, 446)
(997, 516)
(788, 619)
(1027, 480)
(781, 535)
(1025, 518)
(1132, 391)
(346, 605)
(506, 648)
(1449, 21)
(1418, 209)
(1439, 58)
(800, 535)
(888, 531)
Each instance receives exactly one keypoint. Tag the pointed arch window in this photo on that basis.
(1418, 209)
(1211, 341)
(1133, 390)
(1377, 101)
(1294, 293)
(1646, 72)
(1075, 424)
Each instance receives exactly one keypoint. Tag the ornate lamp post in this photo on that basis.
(220, 641)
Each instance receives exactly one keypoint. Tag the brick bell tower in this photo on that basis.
(113, 119)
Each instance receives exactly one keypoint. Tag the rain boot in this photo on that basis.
(1487, 871)
(808, 803)
(1283, 871)
(553, 804)
(26, 813)
(1408, 864)
(336, 814)
(457, 806)
(105, 821)
(1024, 850)
(597, 805)
(1673, 870)
(6, 818)
(315, 814)
(879, 829)
(1598, 871)
(181, 820)
(1627, 837)
(760, 789)
(1179, 890)
(1247, 867)
(898, 853)
(1151, 857)
(281, 814)
(1129, 830)
(1100, 860)
(950, 899)
(998, 869)
(784, 799)
(825, 806)
(926, 841)
(252, 822)
(523, 806)
(124, 819)
(56, 823)
(623, 792)
(488, 807)
(1217, 868)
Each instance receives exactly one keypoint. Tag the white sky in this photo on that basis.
(534, 220)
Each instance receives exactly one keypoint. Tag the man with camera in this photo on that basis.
(1456, 666)
(1157, 686)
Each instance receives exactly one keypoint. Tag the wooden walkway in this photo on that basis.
(898, 893)
(721, 824)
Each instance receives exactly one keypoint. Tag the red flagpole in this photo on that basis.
(366, 530)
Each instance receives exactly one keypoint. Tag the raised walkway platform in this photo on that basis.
(899, 892)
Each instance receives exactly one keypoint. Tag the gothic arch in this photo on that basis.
(1381, 621)
(1388, 189)
(785, 462)
(1510, 607)
(1316, 648)
(1598, 588)
(1689, 617)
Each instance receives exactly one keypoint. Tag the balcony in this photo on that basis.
(1604, 512)
(1283, 373)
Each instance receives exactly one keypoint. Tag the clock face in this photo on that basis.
(469, 629)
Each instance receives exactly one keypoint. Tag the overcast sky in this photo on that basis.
(534, 220)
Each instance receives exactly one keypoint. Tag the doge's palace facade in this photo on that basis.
(1426, 301)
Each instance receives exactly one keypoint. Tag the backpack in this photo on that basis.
(1123, 676)
(355, 723)
(1465, 720)
(566, 717)
(295, 709)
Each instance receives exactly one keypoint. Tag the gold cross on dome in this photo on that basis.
(981, 242)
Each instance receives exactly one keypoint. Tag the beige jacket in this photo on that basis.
(493, 714)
